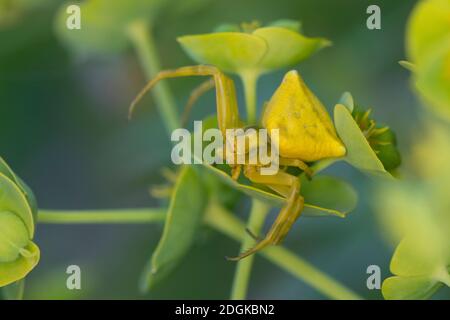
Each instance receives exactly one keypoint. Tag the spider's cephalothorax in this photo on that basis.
(306, 134)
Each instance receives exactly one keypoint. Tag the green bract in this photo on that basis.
(433, 78)
(428, 47)
(427, 27)
(261, 50)
(420, 262)
(18, 254)
(184, 215)
(370, 149)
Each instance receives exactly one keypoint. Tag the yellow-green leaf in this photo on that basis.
(13, 236)
(263, 50)
(229, 51)
(11, 272)
(409, 288)
(184, 216)
(428, 26)
(13, 200)
(433, 78)
(286, 47)
(359, 153)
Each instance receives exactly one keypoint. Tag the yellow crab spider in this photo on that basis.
(306, 134)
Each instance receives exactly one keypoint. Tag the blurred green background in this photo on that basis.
(64, 129)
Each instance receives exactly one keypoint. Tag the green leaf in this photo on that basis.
(229, 51)
(327, 195)
(13, 236)
(31, 199)
(104, 24)
(433, 80)
(7, 171)
(13, 200)
(409, 288)
(428, 26)
(347, 100)
(286, 47)
(13, 271)
(263, 50)
(415, 256)
(184, 215)
(359, 153)
(324, 196)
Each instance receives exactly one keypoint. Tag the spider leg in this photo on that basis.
(297, 163)
(227, 110)
(236, 172)
(251, 234)
(195, 95)
(289, 212)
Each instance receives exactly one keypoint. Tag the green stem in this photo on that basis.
(225, 222)
(101, 216)
(249, 80)
(243, 269)
(142, 39)
(221, 220)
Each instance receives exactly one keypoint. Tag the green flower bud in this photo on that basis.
(18, 254)
(13, 237)
(381, 139)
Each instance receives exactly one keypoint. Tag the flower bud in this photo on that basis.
(13, 237)
(18, 254)
(381, 139)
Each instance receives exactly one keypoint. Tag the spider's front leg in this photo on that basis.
(227, 109)
(289, 186)
(297, 163)
(226, 102)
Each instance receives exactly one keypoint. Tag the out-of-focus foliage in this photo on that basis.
(18, 254)
(11, 11)
(416, 212)
(428, 46)
(105, 23)
(110, 20)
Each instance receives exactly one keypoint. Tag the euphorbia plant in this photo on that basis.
(207, 195)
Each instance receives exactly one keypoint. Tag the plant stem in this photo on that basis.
(243, 269)
(101, 216)
(223, 221)
(249, 80)
(142, 39)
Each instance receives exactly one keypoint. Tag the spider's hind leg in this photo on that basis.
(288, 214)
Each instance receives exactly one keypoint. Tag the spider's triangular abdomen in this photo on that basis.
(306, 130)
